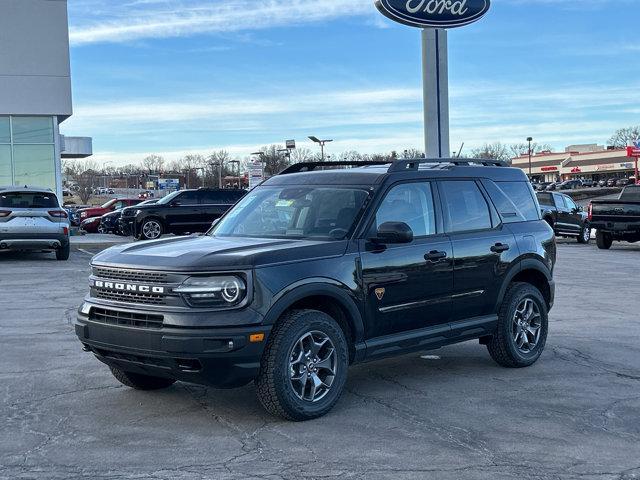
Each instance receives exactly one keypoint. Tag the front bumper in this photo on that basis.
(220, 357)
(126, 226)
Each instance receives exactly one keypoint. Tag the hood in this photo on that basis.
(203, 253)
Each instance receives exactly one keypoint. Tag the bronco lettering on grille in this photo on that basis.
(128, 287)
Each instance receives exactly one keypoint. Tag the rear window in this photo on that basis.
(28, 200)
(631, 194)
(546, 199)
(521, 195)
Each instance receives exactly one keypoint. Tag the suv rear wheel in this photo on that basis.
(141, 382)
(523, 325)
(63, 253)
(304, 366)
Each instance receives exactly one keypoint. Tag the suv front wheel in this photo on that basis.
(304, 366)
(523, 325)
(150, 229)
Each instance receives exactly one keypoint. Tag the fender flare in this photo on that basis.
(522, 265)
(315, 287)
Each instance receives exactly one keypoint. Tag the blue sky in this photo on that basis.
(189, 76)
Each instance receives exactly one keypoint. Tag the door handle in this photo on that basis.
(435, 255)
(500, 247)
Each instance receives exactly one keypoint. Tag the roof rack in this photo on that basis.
(311, 166)
(414, 164)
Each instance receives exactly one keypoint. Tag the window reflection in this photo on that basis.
(5, 165)
(32, 129)
(5, 130)
(34, 165)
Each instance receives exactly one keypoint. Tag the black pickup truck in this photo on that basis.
(617, 219)
(565, 217)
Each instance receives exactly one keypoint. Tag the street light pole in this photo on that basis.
(530, 139)
(321, 143)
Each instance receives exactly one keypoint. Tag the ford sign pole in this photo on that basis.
(435, 80)
(434, 17)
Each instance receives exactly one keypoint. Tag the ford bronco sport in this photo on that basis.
(319, 268)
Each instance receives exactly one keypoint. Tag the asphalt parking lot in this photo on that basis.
(452, 414)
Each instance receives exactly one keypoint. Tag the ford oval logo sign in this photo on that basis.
(434, 13)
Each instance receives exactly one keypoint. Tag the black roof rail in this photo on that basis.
(414, 164)
(311, 166)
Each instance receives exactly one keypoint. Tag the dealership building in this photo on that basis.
(35, 94)
(589, 161)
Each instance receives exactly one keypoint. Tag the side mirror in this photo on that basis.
(394, 232)
(215, 222)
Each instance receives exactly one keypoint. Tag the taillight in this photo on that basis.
(590, 212)
(65, 231)
(4, 213)
(58, 213)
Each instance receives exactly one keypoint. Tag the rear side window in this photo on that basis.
(187, 198)
(28, 200)
(514, 200)
(559, 201)
(465, 206)
(546, 199)
(213, 197)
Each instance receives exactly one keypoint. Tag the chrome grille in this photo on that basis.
(125, 319)
(130, 275)
(130, 297)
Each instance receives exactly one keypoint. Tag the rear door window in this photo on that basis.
(522, 196)
(546, 199)
(465, 207)
(28, 200)
(559, 199)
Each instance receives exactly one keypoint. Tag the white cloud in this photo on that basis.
(103, 21)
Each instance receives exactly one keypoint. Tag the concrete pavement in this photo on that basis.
(451, 415)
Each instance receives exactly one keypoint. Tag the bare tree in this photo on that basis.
(153, 163)
(519, 149)
(622, 137)
(85, 173)
(413, 153)
(300, 155)
(492, 151)
(274, 161)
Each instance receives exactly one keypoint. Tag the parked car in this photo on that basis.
(623, 182)
(186, 211)
(90, 225)
(612, 182)
(602, 183)
(67, 193)
(32, 219)
(617, 220)
(570, 185)
(588, 183)
(109, 222)
(541, 187)
(315, 270)
(127, 216)
(111, 191)
(145, 195)
(565, 217)
(110, 206)
(553, 186)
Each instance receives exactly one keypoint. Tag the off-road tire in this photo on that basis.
(273, 385)
(582, 236)
(141, 382)
(63, 252)
(604, 240)
(502, 346)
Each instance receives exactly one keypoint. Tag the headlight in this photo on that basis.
(83, 215)
(222, 291)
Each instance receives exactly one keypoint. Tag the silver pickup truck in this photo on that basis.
(32, 219)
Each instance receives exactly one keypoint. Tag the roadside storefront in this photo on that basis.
(594, 165)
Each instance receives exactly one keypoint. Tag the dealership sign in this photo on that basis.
(549, 169)
(434, 13)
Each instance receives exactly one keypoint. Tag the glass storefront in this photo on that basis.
(27, 151)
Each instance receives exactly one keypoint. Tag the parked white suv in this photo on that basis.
(31, 219)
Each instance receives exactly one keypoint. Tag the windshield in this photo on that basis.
(168, 198)
(294, 212)
(631, 194)
(28, 200)
(108, 204)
